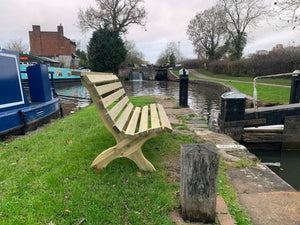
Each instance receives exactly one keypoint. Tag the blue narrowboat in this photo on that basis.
(24, 108)
(60, 75)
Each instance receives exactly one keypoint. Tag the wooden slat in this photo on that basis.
(99, 79)
(143, 129)
(114, 112)
(112, 98)
(86, 83)
(84, 73)
(164, 119)
(103, 89)
(130, 131)
(155, 125)
(119, 125)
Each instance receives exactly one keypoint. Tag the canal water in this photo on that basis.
(285, 164)
(205, 102)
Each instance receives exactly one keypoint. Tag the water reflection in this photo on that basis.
(71, 103)
(205, 101)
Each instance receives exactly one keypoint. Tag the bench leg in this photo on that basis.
(140, 160)
(105, 158)
(130, 148)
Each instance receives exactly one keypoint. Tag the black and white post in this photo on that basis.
(295, 87)
(183, 87)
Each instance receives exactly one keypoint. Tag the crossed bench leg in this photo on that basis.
(130, 148)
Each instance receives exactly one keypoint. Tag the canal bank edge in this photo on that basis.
(265, 196)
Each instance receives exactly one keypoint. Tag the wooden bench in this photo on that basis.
(131, 126)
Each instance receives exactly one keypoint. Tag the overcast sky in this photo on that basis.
(167, 21)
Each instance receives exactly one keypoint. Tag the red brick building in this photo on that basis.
(53, 45)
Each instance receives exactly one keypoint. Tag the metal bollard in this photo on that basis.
(233, 106)
(183, 88)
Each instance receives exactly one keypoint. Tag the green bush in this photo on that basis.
(218, 66)
(284, 61)
(192, 63)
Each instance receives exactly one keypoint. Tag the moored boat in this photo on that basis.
(60, 75)
(23, 109)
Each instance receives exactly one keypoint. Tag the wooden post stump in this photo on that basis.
(198, 182)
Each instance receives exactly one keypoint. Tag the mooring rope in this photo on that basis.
(76, 97)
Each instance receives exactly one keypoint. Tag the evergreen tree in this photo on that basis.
(83, 58)
(106, 51)
(172, 59)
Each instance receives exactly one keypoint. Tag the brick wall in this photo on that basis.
(172, 76)
(50, 43)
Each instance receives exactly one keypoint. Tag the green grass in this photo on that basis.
(46, 178)
(176, 72)
(230, 197)
(265, 93)
(140, 102)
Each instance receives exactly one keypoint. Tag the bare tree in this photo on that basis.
(289, 10)
(240, 15)
(117, 15)
(207, 32)
(17, 45)
(134, 56)
(168, 55)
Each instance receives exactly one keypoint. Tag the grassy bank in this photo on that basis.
(46, 178)
(271, 94)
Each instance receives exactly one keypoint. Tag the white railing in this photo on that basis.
(296, 72)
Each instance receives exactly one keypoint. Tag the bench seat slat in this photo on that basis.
(130, 131)
(112, 98)
(143, 129)
(119, 125)
(155, 125)
(164, 119)
(103, 89)
(114, 112)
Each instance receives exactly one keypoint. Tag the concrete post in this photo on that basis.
(198, 182)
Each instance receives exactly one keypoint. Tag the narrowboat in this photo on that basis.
(24, 108)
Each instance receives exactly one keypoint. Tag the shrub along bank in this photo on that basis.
(284, 61)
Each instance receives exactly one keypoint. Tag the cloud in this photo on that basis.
(167, 21)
